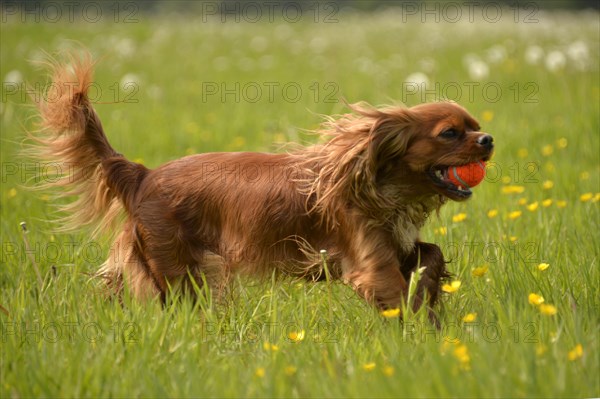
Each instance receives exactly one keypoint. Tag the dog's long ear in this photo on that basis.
(389, 137)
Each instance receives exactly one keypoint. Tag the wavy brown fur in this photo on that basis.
(362, 196)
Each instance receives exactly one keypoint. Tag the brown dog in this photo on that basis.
(362, 196)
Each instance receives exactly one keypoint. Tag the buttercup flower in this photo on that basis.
(487, 116)
(540, 349)
(369, 366)
(562, 143)
(388, 370)
(441, 231)
(546, 203)
(297, 336)
(533, 206)
(459, 217)
(586, 197)
(492, 213)
(480, 271)
(548, 310)
(514, 215)
(575, 353)
(522, 153)
(270, 347)
(513, 189)
(452, 287)
(290, 370)
(547, 185)
(470, 317)
(260, 372)
(547, 150)
(543, 266)
(561, 203)
(535, 299)
(391, 313)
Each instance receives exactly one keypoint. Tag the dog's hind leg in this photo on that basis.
(126, 267)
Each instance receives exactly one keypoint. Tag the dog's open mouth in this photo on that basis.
(439, 177)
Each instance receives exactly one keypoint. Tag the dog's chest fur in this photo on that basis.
(408, 220)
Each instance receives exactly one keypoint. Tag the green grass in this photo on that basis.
(65, 339)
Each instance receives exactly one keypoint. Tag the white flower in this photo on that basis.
(13, 76)
(579, 53)
(128, 79)
(555, 60)
(534, 54)
(478, 70)
(418, 78)
(496, 54)
(125, 47)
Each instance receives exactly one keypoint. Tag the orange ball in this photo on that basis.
(468, 175)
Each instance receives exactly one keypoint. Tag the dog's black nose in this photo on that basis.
(486, 140)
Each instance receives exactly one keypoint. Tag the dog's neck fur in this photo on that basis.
(410, 217)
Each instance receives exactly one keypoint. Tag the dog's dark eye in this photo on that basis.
(449, 134)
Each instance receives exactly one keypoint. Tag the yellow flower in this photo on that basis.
(584, 175)
(547, 202)
(260, 372)
(138, 160)
(290, 370)
(540, 349)
(561, 204)
(452, 287)
(513, 189)
(388, 370)
(550, 167)
(586, 197)
(492, 213)
(470, 317)
(441, 231)
(547, 185)
(459, 217)
(514, 215)
(543, 266)
(506, 179)
(547, 150)
(512, 238)
(533, 206)
(562, 142)
(487, 116)
(522, 201)
(369, 366)
(576, 352)
(238, 142)
(461, 352)
(480, 271)
(391, 313)
(270, 347)
(12, 193)
(535, 299)
(297, 336)
(522, 153)
(596, 197)
(548, 310)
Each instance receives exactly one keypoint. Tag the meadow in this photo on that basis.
(520, 315)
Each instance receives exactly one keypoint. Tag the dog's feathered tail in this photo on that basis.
(71, 142)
